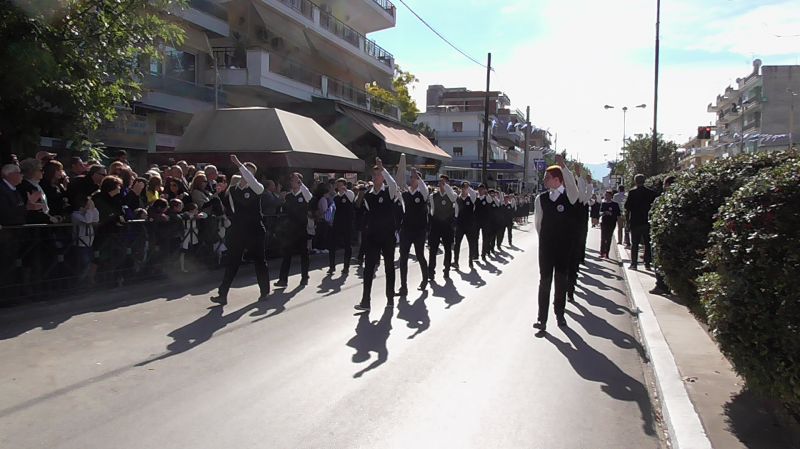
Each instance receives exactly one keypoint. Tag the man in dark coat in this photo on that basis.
(637, 209)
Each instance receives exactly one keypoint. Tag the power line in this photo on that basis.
(442, 37)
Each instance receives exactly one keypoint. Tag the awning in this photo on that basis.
(287, 139)
(397, 137)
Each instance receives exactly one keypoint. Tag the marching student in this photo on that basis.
(379, 236)
(466, 224)
(413, 230)
(609, 212)
(509, 211)
(555, 223)
(342, 230)
(246, 231)
(483, 211)
(295, 229)
(444, 210)
(581, 211)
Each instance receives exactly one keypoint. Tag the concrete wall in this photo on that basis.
(775, 111)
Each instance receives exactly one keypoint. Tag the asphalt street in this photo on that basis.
(158, 366)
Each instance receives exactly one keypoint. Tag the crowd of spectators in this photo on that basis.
(179, 213)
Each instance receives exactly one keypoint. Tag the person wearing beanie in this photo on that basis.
(555, 223)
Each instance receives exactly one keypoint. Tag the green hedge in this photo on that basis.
(752, 300)
(682, 219)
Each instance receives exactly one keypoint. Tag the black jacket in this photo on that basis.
(12, 206)
(638, 205)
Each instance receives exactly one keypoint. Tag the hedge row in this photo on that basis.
(727, 237)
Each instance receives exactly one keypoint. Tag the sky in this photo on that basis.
(566, 59)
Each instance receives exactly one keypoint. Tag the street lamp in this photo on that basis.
(792, 94)
(624, 120)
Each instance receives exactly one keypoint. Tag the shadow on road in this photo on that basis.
(415, 315)
(330, 286)
(592, 365)
(759, 423)
(489, 267)
(371, 337)
(447, 291)
(599, 327)
(473, 277)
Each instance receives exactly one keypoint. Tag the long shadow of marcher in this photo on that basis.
(597, 269)
(489, 267)
(447, 291)
(199, 331)
(415, 315)
(592, 365)
(330, 286)
(275, 302)
(599, 327)
(371, 337)
(587, 281)
(473, 278)
(595, 300)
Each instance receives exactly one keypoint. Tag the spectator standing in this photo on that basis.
(211, 176)
(76, 168)
(637, 207)
(199, 190)
(84, 217)
(594, 210)
(154, 189)
(111, 220)
(622, 227)
(86, 185)
(13, 203)
(54, 184)
(32, 175)
(609, 212)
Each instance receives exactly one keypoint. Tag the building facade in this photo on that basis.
(757, 114)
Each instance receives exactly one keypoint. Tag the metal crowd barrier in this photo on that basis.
(41, 261)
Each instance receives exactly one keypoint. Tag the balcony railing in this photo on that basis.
(335, 26)
(295, 71)
(182, 88)
(210, 8)
(387, 6)
(358, 97)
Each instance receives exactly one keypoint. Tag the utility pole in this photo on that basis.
(525, 156)
(484, 166)
(792, 94)
(654, 150)
(741, 124)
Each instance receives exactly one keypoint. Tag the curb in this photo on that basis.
(680, 417)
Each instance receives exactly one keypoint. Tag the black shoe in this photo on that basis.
(561, 322)
(455, 266)
(647, 267)
(658, 290)
(447, 274)
(423, 285)
(542, 326)
(304, 280)
(331, 270)
(632, 266)
(362, 307)
(280, 284)
(346, 269)
(571, 297)
(403, 291)
(220, 299)
(263, 296)
(389, 303)
(471, 265)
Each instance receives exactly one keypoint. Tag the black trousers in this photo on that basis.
(240, 240)
(377, 246)
(606, 234)
(340, 237)
(470, 231)
(553, 269)
(501, 233)
(440, 233)
(640, 234)
(410, 237)
(487, 239)
(295, 244)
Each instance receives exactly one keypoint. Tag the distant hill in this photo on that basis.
(598, 170)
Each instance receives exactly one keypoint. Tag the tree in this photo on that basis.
(68, 63)
(401, 95)
(637, 156)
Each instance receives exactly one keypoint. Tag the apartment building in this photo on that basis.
(310, 58)
(757, 114)
(456, 114)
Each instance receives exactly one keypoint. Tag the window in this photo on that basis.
(179, 64)
(458, 127)
(458, 151)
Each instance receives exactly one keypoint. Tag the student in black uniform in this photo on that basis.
(466, 224)
(609, 211)
(555, 223)
(294, 234)
(509, 210)
(443, 213)
(380, 205)
(413, 230)
(581, 213)
(483, 217)
(343, 222)
(246, 231)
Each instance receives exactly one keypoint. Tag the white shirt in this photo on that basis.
(348, 193)
(391, 184)
(9, 185)
(619, 198)
(450, 194)
(569, 186)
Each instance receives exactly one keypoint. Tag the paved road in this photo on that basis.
(456, 367)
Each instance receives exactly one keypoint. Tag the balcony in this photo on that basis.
(327, 25)
(181, 88)
(207, 15)
(258, 68)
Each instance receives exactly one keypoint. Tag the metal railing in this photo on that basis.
(360, 98)
(387, 6)
(329, 22)
(294, 71)
(47, 260)
(228, 58)
(182, 88)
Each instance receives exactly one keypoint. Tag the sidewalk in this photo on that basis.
(693, 367)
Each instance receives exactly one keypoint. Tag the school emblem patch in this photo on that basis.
(246, 195)
(444, 203)
(380, 200)
(300, 199)
(416, 200)
(483, 202)
(560, 208)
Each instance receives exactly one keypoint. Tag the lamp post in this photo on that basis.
(792, 94)
(624, 120)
